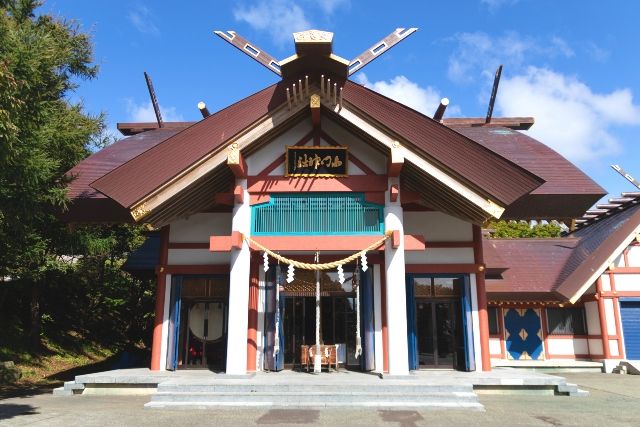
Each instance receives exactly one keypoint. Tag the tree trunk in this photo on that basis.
(36, 317)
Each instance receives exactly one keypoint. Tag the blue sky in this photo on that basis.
(573, 65)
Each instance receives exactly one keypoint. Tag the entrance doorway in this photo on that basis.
(439, 322)
(338, 317)
(437, 326)
(198, 323)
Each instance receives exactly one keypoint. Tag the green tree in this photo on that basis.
(522, 229)
(42, 135)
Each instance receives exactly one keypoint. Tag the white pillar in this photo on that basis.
(239, 277)
(164, 344)
(377, 296)
(396, 292)
(476, 322)
(260, 331)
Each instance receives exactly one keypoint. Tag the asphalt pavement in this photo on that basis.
(614, 400)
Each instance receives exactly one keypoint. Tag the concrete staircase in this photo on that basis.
(402, 394)
(631, 367)
(69, 389)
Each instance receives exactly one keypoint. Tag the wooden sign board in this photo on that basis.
(317, 161)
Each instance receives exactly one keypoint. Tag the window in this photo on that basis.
(566, 321)
(438, 287)
(494, 328)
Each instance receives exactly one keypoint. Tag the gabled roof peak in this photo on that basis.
(314, 52)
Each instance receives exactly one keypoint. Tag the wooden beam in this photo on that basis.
(313, 243)
(379, 48)
(226, 199)
(494, 93)
(441, 109)
(128, 129)
(515, 123)
(396, 160)
(238, 195)
(251, 50)
(281, 184)
(236, 162)
(314, 104)
(394, 193)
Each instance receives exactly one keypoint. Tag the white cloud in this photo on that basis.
(329, 6)
(142, 19)
(597, 53)
(144, 112)
(403, 90)
(278, 18)
(570, 117)
(480, 54)
(494, 5)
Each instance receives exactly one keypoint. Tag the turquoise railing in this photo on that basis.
(316, 214)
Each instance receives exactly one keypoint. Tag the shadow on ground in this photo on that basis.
(11, 410)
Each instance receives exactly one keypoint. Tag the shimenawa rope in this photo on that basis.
(317, 266)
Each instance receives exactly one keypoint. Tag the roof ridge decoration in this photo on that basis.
(605, 210)
(314, 52)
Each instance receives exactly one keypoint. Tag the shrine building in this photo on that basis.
(318, 224)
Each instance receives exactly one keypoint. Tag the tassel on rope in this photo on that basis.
(318, 266)
(290, 274)
(364, 261)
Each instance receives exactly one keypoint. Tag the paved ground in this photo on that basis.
(614, 400)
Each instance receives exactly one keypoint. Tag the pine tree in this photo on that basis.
(42, 135)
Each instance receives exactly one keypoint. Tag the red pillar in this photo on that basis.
(603, 320)
(156, 344)
(481, 291)
(252, 329)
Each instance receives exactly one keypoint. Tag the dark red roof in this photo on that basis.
(532, 266)
(557, 268)
(481, 168)
(567, 191)
(104, 161)
(138, 177)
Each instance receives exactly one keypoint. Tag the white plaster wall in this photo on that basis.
(440, 256)
(595, 346)
(352, 169)
(627, 282)
(199, 227)
(495, 346)
(374, 159)
(613, 348)
(606, 283)
(262, 158)
(610, 316)
(567, 346)
(634, 256)
(619, 261)
(476, 322)
(593, 319)
(197, 257)
(438, 227)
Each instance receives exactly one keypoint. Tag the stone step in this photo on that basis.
(475, 406)
(170, 387)
(337, 397)
(61, 391)
(72, 385)
(572, 390)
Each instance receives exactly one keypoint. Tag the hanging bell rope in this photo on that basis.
(276, 344)
(318, 266)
